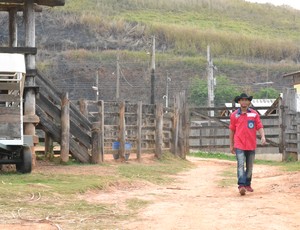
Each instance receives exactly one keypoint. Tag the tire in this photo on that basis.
(26, 165)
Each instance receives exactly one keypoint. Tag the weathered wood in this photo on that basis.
(9, 98)
(48, 144)
(122, 130)
(65, 128)
(13, 28)
(83, 107)
(139, 130)
(175, 127)
(159, 131)
(9, 86)
(21, 50)
(31, 119)
(29, 95)
(78, 152)
(96, 143)
(101, 119)
(51, 3)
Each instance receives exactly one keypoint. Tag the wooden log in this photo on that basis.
(48, 144)
(65, 128)
(83, 107)
(101, 129)
(29, 97)
(139, 130)
(186, 125)
(96, 143)
(13, 28)
(159, 131)
(122, 134)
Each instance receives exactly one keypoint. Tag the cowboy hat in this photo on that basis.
(243, 95)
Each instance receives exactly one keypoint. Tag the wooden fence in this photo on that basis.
(146, 127)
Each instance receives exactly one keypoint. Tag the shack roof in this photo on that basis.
(295, 77)
(257, 103)
(6, 5)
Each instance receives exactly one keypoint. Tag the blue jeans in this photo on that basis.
(243, 157)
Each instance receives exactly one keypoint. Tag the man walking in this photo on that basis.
(244, 123)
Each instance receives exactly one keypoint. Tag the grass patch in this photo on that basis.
(158, 173)
(228, 177)
(287, 166)
(135, 204)
(56, 197)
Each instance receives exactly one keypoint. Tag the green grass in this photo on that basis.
(231, 27)
(287, 166)
(58, 197)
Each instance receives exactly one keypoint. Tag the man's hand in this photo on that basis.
(232, 150)
(263, 140)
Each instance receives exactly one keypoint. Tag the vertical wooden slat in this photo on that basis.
(83, 107)
(96, 143)
(65, 128)
(139, 130)
(101, 128)
(13, 28)
(175, 125)
(48, 144)
(122, 130)
(29, 97)
(159, 131)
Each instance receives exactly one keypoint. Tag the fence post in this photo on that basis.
(159, 130)
(65, 128)
(175, 124)
(186, 125)
(48, 144)
(281, 125)
(139, 130)
(83, 107)
(96, 143)
(101, 120)
(122, 135)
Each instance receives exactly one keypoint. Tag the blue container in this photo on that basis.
(116, 145)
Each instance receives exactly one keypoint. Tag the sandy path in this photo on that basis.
(197, 201)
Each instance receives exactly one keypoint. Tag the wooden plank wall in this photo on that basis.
(212, 133)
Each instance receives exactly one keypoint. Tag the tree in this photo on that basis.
(265, 93)
(225, 91)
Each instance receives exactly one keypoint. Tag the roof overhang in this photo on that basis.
(7, 5)
(295, 76)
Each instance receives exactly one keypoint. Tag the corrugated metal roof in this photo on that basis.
(257, 103)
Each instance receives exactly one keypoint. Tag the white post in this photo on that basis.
(210, 82)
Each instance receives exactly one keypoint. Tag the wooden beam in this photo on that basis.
(38, 2)
(23, 50)
(18, 7)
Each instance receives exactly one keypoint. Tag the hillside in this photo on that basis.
(250, 43)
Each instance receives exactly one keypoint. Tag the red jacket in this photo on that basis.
(245, 126)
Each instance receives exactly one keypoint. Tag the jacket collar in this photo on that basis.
(240, 111)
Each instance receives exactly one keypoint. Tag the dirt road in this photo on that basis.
(198, 200)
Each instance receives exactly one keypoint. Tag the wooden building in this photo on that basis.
(28, 9)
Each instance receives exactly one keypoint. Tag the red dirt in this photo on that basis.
(197, 201)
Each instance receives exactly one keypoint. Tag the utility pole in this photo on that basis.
(95, 87)
(97, 81)
(210, 82)
(118, 78)
(166, 96)
(152, 99)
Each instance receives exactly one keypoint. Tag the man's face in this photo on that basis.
(244, 102)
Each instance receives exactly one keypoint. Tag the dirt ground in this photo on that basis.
(198, 201)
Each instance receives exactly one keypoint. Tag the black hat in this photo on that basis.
(243, 95)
